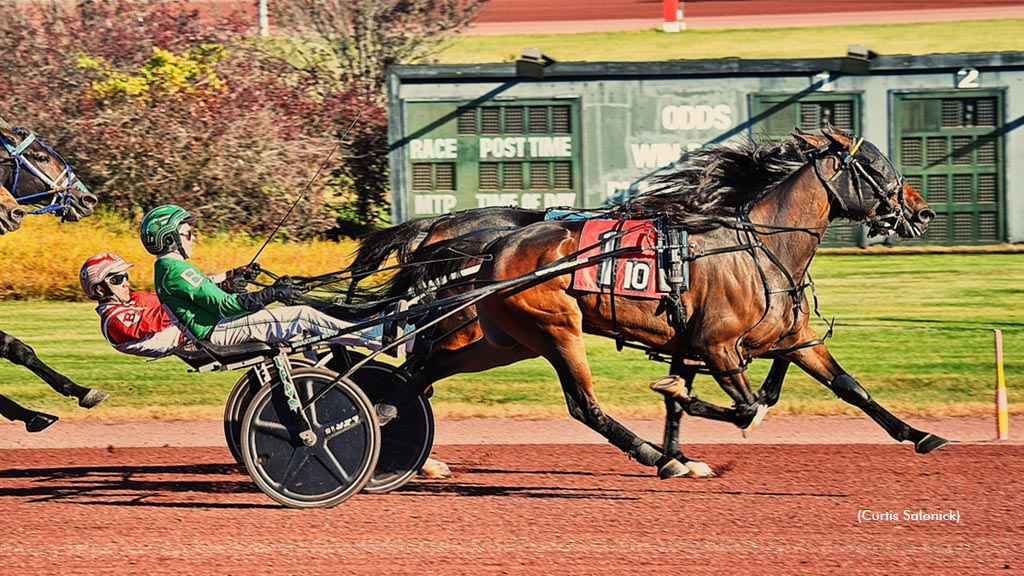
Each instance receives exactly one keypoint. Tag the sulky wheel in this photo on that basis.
(238, 402)
(337, 466)
(407, 440)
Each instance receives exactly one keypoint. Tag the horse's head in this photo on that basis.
(866, 186)
(11, 213)
(35, 173)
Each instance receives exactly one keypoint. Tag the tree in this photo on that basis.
(150, 104)
(351, 43)
(363, 37)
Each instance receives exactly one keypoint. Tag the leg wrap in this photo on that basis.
(631, 444)
(850, 391)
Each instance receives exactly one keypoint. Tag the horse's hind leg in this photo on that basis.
(558, 337)
(34, 421)
(819, 363)
(22, 354)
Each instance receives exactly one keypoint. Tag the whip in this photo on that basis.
(337, 144)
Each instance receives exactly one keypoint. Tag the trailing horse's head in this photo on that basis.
(35, 173)
(867, 186)
(11, 213)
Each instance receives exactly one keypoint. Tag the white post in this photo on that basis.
(264, 20)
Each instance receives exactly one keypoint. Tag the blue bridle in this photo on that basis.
(61, 192)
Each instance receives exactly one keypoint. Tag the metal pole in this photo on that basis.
(264, 20)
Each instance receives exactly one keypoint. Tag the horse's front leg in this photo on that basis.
(675, 390)
(768, 394)
(819, 363)
(22, 354)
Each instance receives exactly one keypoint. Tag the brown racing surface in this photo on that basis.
(526, 509)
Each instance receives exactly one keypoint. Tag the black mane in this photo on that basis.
(716, 184)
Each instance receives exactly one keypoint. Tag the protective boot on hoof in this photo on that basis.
(92, 398)
(672, 386)
(758, 417)
(928, 443)
(435, 470)
(40, 422)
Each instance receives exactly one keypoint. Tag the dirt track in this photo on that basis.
(516, 506)
(526, 509)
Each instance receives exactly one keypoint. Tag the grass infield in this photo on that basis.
(915, 329)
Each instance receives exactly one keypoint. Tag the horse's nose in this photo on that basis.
(17, 214)
(926, 215)
(89, 200)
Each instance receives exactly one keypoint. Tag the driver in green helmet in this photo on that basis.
(223, 318)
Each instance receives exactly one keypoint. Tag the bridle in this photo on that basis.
(867, 201)
(60, 187)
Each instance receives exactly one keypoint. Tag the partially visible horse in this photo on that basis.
(758, 213)
(32, 173)
(11, 213)
(35, 174)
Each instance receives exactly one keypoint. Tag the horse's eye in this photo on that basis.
(39, 157)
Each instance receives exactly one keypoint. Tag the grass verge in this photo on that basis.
(915, 329)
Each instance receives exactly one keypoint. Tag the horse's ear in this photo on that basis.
(839, 137)
(813, 140)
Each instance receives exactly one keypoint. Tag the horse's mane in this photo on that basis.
(716, 184)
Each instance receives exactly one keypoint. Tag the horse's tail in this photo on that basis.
(376, 247)
(444, 265)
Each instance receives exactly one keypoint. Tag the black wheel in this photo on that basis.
(407, 440)
(327, 473)
(238, 402)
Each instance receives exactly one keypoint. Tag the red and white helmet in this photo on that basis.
(96, 269)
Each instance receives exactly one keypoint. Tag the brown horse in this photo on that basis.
(32, 173)
(757, 214)
(11, 213)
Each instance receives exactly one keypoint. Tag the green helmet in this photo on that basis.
(159, 230)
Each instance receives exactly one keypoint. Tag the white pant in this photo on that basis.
(288, 324)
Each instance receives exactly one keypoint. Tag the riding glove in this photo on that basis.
(235, 280)
(282, 291)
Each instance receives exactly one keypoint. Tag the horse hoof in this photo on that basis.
(698, 469)
(762, 411)
(672, 469)
(93, 398)
(385, 413)
(671, 386)
(40, 422)
(928, 443)
(435, 470)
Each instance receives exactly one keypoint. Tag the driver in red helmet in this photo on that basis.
(132, 322)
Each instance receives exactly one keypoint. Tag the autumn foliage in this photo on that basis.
(152, 104)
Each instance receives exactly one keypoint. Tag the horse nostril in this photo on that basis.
(89, 200)
(926, 215)
(17, 215)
